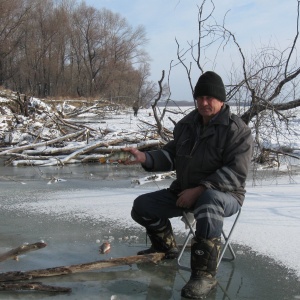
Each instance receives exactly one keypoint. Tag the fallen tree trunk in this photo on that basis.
(73, 126)
(79, 151)
(47, 143)
(41, 162)
(52, 151)
(77, 154)
(21, 250)
(97, 265)
(37, 286)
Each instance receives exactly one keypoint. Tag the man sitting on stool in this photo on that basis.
(211, 153)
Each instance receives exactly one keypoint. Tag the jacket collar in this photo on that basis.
(223, 116)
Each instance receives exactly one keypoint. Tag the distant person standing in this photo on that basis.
(211, 153)
(135, 108)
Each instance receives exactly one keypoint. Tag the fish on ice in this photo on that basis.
(117, 157)
(104, 248)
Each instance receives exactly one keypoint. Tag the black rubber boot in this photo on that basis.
(162, 241)
(204, 259)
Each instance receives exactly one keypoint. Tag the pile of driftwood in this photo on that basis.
(42, 154)
(17, 280)
(36, 133)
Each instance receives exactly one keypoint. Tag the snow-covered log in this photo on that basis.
(47, 143)
(45, 137)
(56, 161)
(154, 177)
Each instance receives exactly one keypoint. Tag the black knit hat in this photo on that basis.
(210, 84)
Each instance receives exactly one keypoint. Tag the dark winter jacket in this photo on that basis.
(217, 155)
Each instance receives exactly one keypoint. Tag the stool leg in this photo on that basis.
(226, 245)
(182, 267)
(227, 242)
(190, 234)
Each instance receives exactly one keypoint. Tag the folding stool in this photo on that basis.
(189, 220)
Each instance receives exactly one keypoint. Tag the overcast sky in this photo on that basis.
(254, 23)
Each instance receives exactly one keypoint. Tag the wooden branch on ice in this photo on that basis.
(155, 177)
(47, 143)
(166, 131)
(70, 149)
(139, 145)
(97, 265)
(82, 151)
(75, 154)
(21, 250)
(55, 161)
(79, 152)
(37, 286)
(80, 111)
(73, 126)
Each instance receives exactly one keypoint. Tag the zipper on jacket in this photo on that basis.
(199, 133)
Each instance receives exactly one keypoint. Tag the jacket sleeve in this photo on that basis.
(236, 160)
(162, 161)
(165, 158)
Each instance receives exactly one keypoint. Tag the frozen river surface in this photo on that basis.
(90, 204)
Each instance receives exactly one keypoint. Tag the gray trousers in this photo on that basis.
(153, 210)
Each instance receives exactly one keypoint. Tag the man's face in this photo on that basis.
(208, 106)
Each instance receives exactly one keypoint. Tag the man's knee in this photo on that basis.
(210, 210)
(135, 216)
(210, 205)
(224, 202)
(211, 197)
(139, 205)
(139, 210)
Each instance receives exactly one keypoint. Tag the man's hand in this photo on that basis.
(188, 197)
(140, 157)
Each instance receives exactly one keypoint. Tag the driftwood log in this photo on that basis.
(67, 155)
(47, 137)
(21, 250)
(97, 265)
(29, 286)
(47, 143)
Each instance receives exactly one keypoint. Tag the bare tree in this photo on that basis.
(12, 15)
(147, 90)
(60, 47)
(263, 86)
(107, 47)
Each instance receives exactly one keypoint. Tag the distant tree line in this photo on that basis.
(65, 48)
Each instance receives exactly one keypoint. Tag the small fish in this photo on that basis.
(117, 157)
(104, 248)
